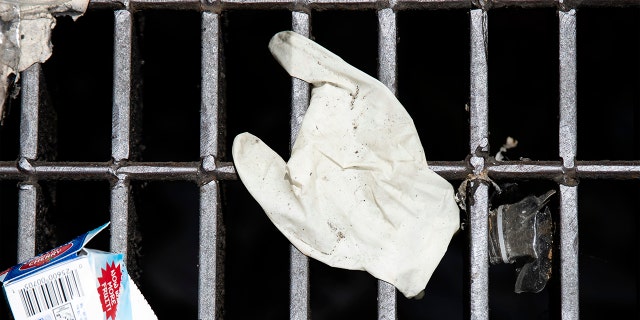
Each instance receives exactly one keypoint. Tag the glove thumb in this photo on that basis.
(265, 175)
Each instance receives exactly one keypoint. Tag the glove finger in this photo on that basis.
(309, 61)
(337, 113)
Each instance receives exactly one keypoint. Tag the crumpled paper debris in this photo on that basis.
(25, 34)
(509, 144)
(357, 192)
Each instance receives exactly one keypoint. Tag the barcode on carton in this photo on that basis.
(47, 293)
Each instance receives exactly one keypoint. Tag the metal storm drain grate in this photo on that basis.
(169, 83)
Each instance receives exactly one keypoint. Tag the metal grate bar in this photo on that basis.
(120, 117)
(300, 97)
(299, 264)
(120, 215)
(568, 147)
(568, 107)
(479, 143)
(209, 171)
(216, 5)
(211, 265)
(120, 125)
(387, 72)
(29, 116)
(387, 49)
(29, 190)
(569, 252)
(27, 206)
(197, 171)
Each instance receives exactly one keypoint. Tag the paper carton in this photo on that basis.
(73, 282)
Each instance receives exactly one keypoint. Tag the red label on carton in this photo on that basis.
(109, 289)
(74, 282)
(46, 257)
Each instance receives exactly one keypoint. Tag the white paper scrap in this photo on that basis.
(25, 34)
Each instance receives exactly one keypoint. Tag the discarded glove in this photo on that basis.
(357, 192)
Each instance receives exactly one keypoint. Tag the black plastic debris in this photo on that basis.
(522, 232)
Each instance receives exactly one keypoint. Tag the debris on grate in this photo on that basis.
(509, 144)
(501, 155)
(25, 34)
(520, 232)
(73, 280)
(523, 231)
(357, 192)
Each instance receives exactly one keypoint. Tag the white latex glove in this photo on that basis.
(357, 192)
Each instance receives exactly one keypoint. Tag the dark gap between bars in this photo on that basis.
(609, 84)
(79, 80)
(258, 100)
